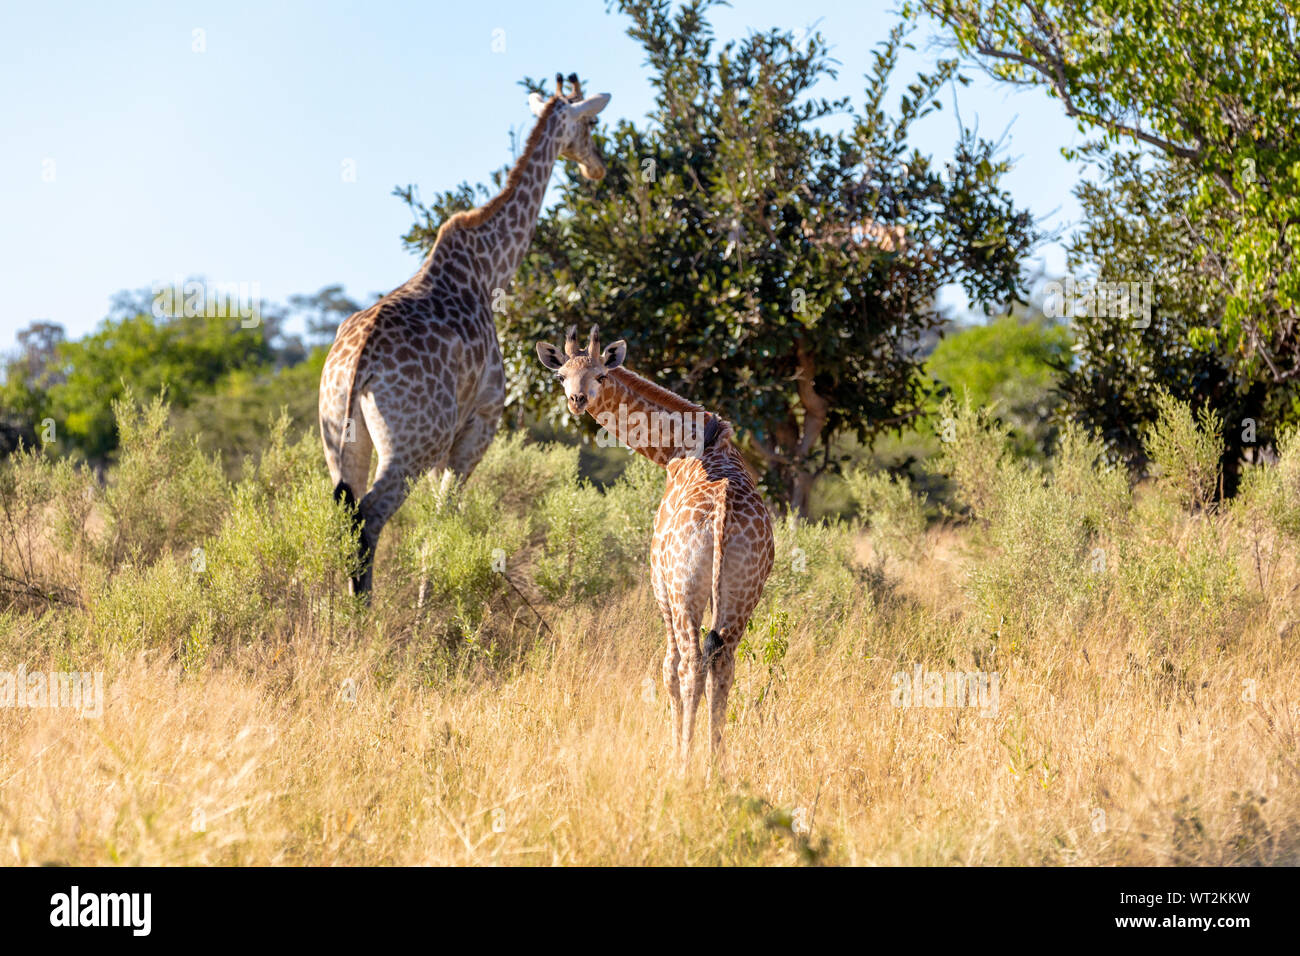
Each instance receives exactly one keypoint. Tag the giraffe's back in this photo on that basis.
(712, 531)
(417, 365)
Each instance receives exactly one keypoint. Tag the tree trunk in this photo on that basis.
(815, 412)
(801, 492)
(793, 441)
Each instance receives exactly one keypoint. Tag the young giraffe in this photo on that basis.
(423, 365)
(712, 533)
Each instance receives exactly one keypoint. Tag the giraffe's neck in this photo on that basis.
(496, 235)
(516, 218)
(651, 420)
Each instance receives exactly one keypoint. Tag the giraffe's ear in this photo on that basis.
(591, 105)
(551, 357)
(536, 103)
(613, 356)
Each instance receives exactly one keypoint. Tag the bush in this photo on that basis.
(578, 558)
(1038, 556)
(1057, 548)
(160, 605)
(594, 540)
(284, 549)
(1039, 534)
(519, 473)
(814, 570)
(46, 548)
(1186, 451)
(632, 502)
(1176, 579)
(895, 516)
(973, 447)
(164, 493)
(1082, 472)
(457, 548)
(1272, 492)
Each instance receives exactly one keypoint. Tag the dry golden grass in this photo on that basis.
(560, 755)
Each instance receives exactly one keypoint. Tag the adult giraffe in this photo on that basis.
(418, 376)
(712, 535)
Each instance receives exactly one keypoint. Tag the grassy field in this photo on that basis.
(1147, 706)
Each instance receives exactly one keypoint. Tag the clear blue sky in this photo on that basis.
(228, 163)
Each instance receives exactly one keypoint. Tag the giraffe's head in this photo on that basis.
(582, 370)
(576, 116)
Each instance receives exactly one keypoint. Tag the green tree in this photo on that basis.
(26, 376)
(1214, 89)
(224, 381)
(1134, 223)
(1011, 363)
(233, 417)
(185, 355)
(777, 272)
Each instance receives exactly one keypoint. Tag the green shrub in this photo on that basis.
(1037, 555)
(157, 605)
(519, 473)
(164, 493)
(1272, 492)
(814, 569)
(1186, 451)
(1176, 576)
(284, 550)
(282, 463)
(578, 558)
(974, 445)
(895, 516)
(595, 540)
(1082, 473)
(632, 502)
(456, 548)
(1039, 545)
(47, 551)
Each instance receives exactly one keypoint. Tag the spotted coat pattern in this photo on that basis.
(418, 377)
(713, 541)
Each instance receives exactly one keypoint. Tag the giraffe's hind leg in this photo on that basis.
(690, 677)
(472, 441)
(672, 682)
(408, 446)
(380, 503)
(351, 473)
(722, 673)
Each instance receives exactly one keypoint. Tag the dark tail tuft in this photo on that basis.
(712, 647)
(343, 493)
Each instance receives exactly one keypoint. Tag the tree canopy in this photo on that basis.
(1213, 87)
(1195, 109)
(224, 377)
(771, 254)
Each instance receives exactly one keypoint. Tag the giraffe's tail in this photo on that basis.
(713, 641)
(343, 494)
(338, 386)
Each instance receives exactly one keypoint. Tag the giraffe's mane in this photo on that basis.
(475, 217)
(656, 394)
